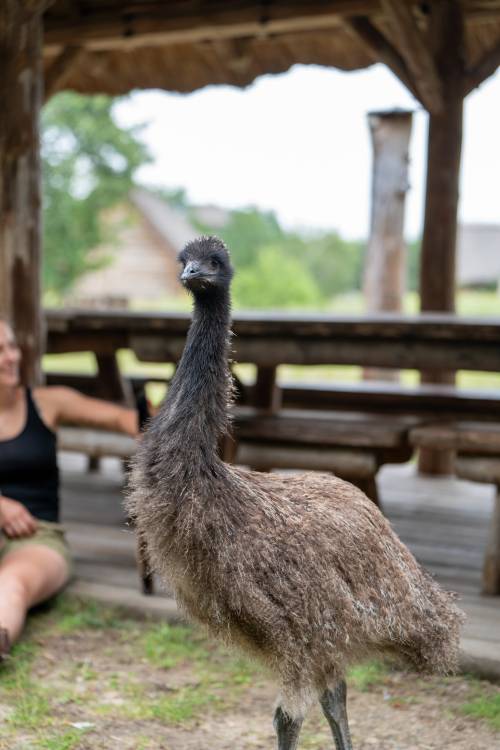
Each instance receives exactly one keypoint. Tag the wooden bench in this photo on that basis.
(349, 429)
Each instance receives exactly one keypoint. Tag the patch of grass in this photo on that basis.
(165, 645)
(485, 707)
(66, 741)
(31, 708)
(71, 614)
(365, 676)
(182, 706)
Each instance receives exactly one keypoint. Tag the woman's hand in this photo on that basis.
(15, 520)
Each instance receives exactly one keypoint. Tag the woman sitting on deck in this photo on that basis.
(34, 557)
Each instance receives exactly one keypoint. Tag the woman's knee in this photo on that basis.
(33, 573)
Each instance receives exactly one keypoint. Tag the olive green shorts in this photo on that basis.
(48, 535)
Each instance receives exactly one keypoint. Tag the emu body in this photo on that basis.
(302, 571)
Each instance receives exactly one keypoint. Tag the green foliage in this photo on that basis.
(486, 707)
(275, 280)
(72, 614)
(66, 741)
(335, 264)
(365, 676)
(167, 645)
(279, 269)
(248, 231)
(88, 166)
(413, 266)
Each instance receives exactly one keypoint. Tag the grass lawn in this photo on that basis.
(85, 677)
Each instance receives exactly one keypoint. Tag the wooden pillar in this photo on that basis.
(437, 271)
(20, 230)
(384, 273)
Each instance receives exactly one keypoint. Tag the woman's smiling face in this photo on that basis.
(10, 356)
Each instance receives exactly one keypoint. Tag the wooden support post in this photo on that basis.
(491, 568)
(267, 394)
(20, 235)
(112, 385)
(384, 278)
(437, 271)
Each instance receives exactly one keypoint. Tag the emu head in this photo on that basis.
(206, 265)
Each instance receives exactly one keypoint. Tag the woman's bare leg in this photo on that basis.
(28, 576)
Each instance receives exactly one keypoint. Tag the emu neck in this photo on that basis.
(197, 405)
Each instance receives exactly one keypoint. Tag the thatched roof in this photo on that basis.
(114, 46)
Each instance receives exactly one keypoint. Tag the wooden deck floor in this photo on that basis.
(443, 521)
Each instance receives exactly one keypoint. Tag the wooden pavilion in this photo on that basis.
(440, 49)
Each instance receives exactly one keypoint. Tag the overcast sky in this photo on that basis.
(298, 144)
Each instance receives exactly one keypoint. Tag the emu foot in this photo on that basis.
(287, 730)
(333, 703)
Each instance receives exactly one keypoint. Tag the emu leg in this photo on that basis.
(287, 730)
(333, 703)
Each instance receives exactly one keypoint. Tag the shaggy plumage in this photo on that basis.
(303, 571)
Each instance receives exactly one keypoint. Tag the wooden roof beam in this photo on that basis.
(59, 69)
(416, 53)
(483, 69)
(160, 23)
(383, 50)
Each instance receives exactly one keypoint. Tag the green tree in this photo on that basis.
(275, 281)
(88, 166)
(247, 231)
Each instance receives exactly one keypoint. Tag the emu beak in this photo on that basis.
(191, 271)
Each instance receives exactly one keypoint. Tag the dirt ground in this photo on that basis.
(85, 678)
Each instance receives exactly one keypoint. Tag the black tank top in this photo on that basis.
(28, 466)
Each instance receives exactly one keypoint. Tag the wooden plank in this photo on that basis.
(483, 69)
(20, 222)
(429, 399)
(95, 442)
(302, 427)
(340, 461)
(415, 51)
(467, 437)
(382, 50)
(158, 23)
(60, 69)
(427, 326)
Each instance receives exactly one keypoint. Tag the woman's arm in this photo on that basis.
(69, 406)
(16, 520)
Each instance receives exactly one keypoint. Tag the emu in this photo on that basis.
(302, 571)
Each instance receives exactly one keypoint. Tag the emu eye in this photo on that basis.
(214, 263)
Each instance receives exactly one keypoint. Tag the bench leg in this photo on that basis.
(491, 568)
(93, 464)
(143, 567)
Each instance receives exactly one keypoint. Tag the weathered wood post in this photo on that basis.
(437, 269)
(20, 235)
(384, 273)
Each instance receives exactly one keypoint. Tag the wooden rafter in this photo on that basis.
(160, 23)
(384, 51)
(415, 50)
(485, 68)
(59, 69)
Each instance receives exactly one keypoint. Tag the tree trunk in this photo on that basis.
(20, 240)
(437, 271)
(384, 277)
